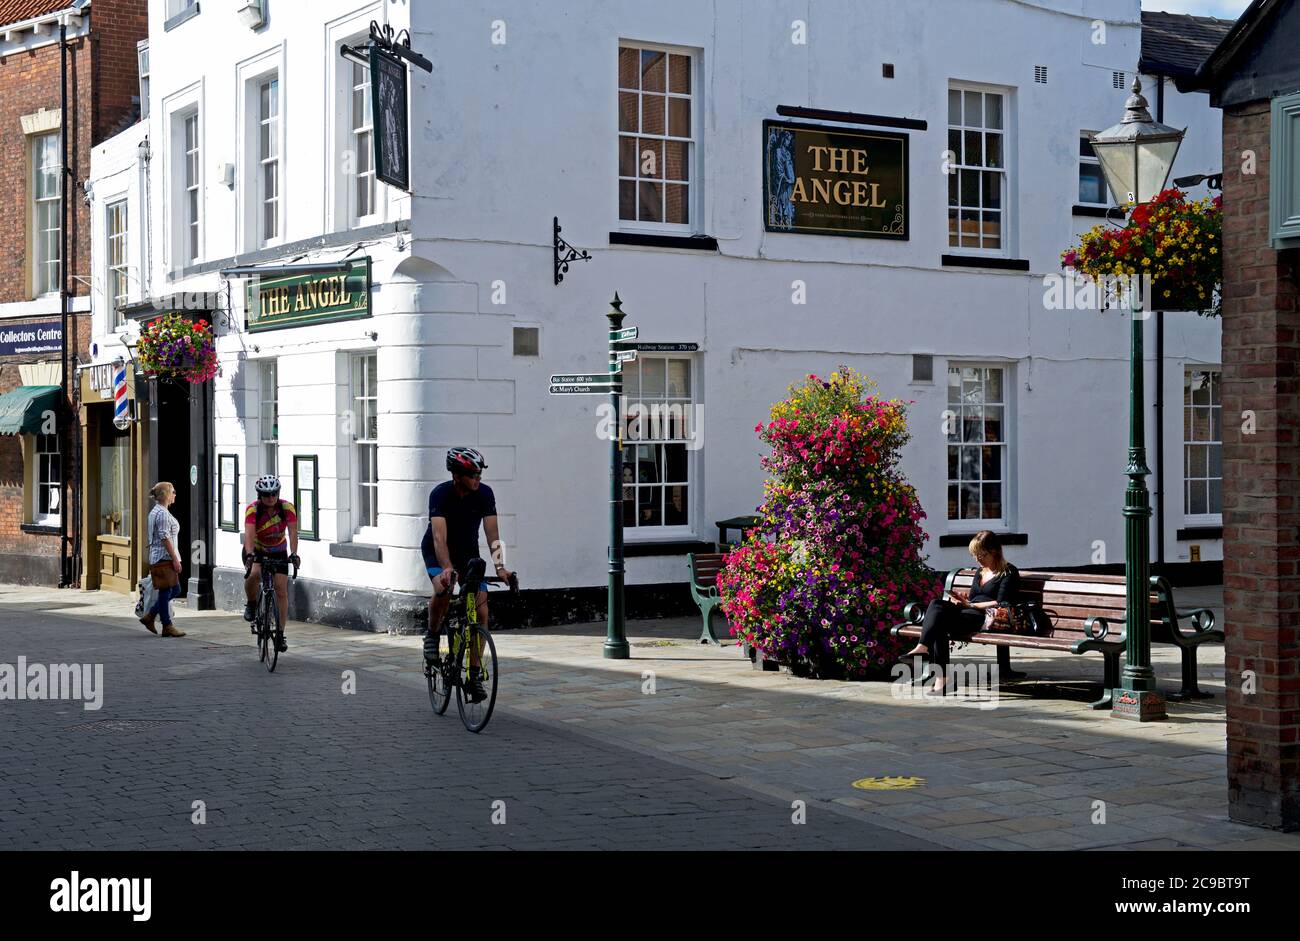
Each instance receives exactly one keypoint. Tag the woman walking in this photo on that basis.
(164, 561)
(964, 613)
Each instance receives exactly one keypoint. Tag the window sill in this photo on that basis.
(1199, 532)
(186, 14)
(700, 243)
(962, 540)
(41, 529)
(678, 547)
(984, 261)
(360, 551)
(1100, 212)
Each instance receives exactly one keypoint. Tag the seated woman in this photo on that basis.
(960, 614)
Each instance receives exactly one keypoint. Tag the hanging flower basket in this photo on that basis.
(173, 347)
(1171, 247)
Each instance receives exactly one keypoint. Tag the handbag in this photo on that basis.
(1026, 617)
(164, 574)
(147, 596)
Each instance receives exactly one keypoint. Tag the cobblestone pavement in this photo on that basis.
(579, 741)
(289, 761)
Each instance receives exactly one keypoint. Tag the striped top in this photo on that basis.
(162, 525)
(273, 533)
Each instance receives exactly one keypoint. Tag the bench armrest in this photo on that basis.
(914, 613)
(1202, 621)
(1096, 621)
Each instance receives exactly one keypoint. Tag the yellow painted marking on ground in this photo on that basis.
(888, 783)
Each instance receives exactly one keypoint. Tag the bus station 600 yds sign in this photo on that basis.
(826, 181)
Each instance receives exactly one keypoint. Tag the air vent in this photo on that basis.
(1040, 74)
(1117, 80)
(526, 341)
(887, 69)
(922, 367)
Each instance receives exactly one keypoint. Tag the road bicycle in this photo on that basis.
(266, 620)
(465, 634)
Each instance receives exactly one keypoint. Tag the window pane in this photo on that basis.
(679, 377)
(992, 230)
(992, 501)
(974, 116)
(1092, 185)
(970, 501)
(992, 190)
(677, 164)
(993, 150)
(650, 506)
(974, 143)
(970, 188)
(952, 501)
(651, 202)
(1214, 502)
(970, 464)
(993, 386)
(679, 78)
(954, 107)
(991, 463)
(993, 111)
(679, 117)
(1215, 454)
(954, 144)
(952, 191)
(971, 421)
(627, 200)
(653, 71)
(993, 423)
(650, 158)
(627, 156)
(629, 72)
(1198, 491)
(653, 373)
(970, 222)
(627, 112)
(675, 506)
(677, 203)
(952, 464)
(653, 108)
(675, 464)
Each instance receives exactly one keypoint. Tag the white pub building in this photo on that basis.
(883, 186)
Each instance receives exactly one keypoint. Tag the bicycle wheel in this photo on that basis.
(439, 675)
(270, 626)
(259, 622)
(475, 715)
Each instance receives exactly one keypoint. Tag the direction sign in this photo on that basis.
(627, 333)
(668, 347)
(576, 388)
(582, 379)
(622, 356)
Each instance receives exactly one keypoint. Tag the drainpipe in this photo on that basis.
(1160, 389)
(65, 575)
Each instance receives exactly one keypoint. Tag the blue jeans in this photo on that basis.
(162, 605)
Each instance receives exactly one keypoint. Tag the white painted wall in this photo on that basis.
(506, 136)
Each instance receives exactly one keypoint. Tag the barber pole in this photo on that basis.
(120, 416)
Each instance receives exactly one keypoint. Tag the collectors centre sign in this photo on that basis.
(826, 181)
(40, 336)
(302, 299)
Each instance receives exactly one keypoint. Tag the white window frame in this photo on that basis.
(1202, 519)
(1007, 171)
(695, 150)
(251, 74)
(175, 108)
(361, 142)
(363, 366)
(116, 252)
(176, 7)
(1007, 445)
(694, 454)
(142, 70)
(1085, 161)
(339, 156)
(269, 398)
(40, 464)
(268, 115)
(45, 270)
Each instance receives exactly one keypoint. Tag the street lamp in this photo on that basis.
(1136, 156)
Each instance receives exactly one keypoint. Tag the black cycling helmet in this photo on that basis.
(465, 461)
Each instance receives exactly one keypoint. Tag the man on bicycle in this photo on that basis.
(271, 528)
(456, 508)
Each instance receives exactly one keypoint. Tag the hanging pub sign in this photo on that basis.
(388, 105)
(827, 181)
(302, 299)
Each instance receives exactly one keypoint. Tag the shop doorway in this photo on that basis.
(172, 446)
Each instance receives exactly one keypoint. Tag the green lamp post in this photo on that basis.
(616, 646)
(1136, 157)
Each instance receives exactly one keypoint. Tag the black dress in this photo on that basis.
(945, 620)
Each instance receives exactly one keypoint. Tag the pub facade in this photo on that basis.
(770, 198)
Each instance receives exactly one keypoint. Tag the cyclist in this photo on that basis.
(456, 509)
(270, 527)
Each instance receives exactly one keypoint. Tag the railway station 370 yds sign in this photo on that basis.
(826, 181)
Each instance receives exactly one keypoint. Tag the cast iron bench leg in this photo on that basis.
(1004, 666)
(1190, 690)
(1110, 677)
(707, 636)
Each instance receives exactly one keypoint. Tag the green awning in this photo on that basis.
(22, 410)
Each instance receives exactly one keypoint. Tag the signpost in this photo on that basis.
(611, 383)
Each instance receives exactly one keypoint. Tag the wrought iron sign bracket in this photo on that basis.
(565, 253)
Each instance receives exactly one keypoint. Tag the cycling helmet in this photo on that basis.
(465, 461)
(267, 484)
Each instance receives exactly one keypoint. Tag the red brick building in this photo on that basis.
(38, 434)
(1254, 76)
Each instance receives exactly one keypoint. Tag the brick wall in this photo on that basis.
(1261, 489)
(116, 27)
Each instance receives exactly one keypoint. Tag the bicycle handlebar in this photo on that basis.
(258, 558)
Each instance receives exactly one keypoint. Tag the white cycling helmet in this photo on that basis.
(267, 484)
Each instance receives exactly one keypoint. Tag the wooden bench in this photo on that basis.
(704, 589)
(1090, 618)
(1202, 631)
